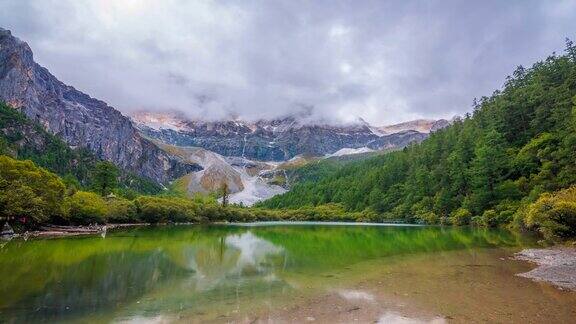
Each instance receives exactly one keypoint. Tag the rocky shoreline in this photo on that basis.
(53, 231)
(556, 265)
(61, 231)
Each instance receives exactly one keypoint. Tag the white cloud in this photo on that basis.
(384, 61)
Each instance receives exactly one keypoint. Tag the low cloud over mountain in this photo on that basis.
(385, 61)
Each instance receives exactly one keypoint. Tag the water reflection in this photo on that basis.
(395, 318)
(234, 257)
(253, 251)
(148, 272)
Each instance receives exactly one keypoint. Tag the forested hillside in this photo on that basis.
(317, 169)
(516, 145)
(44, 181)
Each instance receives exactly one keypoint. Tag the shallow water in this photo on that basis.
(278, 273)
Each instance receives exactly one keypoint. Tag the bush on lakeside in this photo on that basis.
(29, 194)
(501, 215)
(152, 209)
(553, 214)
(428, 218)
(83, 208)
(121, 210)
(461, 216)
(328, 212)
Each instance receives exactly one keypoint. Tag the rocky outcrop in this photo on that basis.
(271, 140)
(216, 170)
(81, 121)
(419, 125)
(397, 140)
(247, 181)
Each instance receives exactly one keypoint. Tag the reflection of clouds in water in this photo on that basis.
(356, 295)
(147, 320)
(395, 318)
(235, 257)
(253, 250)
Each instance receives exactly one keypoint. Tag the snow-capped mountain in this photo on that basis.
(251, 157)
(278, 139)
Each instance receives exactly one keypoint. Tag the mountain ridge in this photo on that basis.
(277, 139)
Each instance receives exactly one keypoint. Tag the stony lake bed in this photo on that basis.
(250, 273)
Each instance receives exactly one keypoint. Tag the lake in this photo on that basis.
(251, 273)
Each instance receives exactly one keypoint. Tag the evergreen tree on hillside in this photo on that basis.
(105, 177)
(517, 144)
(487, 170)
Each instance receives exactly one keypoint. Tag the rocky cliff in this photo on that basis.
(81, 121)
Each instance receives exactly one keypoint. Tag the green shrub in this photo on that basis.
(164, 209)
(84, 208)
(489, 218)
(461, 216)
(121, 211)
(21, 201)
(29, 193)
(553, 215)
(428, 218)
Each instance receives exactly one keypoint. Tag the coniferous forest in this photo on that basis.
(510, 161)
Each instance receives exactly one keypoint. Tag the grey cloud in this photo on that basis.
(385, 61)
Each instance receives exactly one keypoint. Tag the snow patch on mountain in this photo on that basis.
(255, 190)
(350, 151)
(160, 121)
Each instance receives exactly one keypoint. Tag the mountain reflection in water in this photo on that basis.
(149, 272)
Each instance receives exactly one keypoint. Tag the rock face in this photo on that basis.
(216, 170)
(81, 121)
(248, 181)
(271, 140)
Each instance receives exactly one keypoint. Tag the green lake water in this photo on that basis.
(237, 273)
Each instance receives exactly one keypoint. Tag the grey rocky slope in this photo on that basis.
(81, 121)
(272, 140)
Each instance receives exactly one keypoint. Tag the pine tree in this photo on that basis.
(488, 168)
(105, 177)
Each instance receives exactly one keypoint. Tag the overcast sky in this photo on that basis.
(385, 61)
